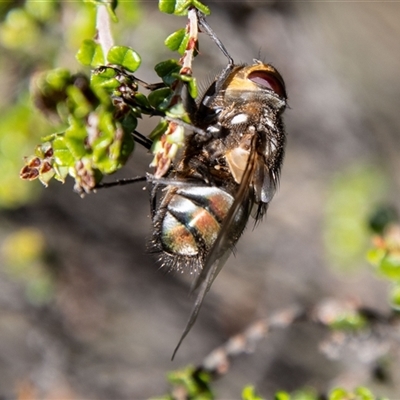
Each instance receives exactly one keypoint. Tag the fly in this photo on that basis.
(229, 169)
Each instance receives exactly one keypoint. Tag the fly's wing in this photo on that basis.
(224, 242)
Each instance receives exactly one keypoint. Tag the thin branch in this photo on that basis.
(324, 313)
(103, 27)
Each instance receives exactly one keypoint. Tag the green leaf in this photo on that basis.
(182, 7)
(249, 393)
(349, 322)
(201, 7)
(128, 144)
(42, 11)
(167, 67)
(395, 297)
(192, 84)
(159, 130)
(78, 104)
(174, 41)
(184, 44)
(105, 78)
(124, 56)
(90, 54)
(364, 394)
(390, 267)
(166, 70)
(56, 79)
(62, 155)
(74, 138)
(141, 100)
(282, 396)
(160, 98)
(19, 30)
(375, 256)
(167, 6)
(338, 394)
(350, 197)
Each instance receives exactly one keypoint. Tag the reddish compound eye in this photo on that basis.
(269, 80)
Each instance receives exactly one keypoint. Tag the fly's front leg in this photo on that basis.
(201, 135)
(228, 69)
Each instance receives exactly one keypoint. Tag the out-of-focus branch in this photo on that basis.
(346, 317)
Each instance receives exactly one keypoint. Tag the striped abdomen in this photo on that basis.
(189, 224)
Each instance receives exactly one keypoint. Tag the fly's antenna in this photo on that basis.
(207, 28)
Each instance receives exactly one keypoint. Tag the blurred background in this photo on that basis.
(85, 311)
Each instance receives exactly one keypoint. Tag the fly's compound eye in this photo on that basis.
(270, 80)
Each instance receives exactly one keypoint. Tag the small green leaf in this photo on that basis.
(282, 396)
(338, 394)
(56, 79)
(249, 393)
(141, 100)
(124, 56)
(129, 123)
(62, 155)
(78, 104)
(128, 144)
(395, 297)
(74, 138)
(168, 71)
(201, 7)
(182, 7)
(349, 321)
(167, 67)
(192, 84)
(174, 41)
(167, 6)
(105, 78)
(160, 98)
(375, 256)
(364, 394)
(90, 54)
(159, 130)
(390, 267)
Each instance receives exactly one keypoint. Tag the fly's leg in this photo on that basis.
(201, 134)
(121, 182)
(142, 140)
(228, 69)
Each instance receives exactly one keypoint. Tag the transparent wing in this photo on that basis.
(220, 251)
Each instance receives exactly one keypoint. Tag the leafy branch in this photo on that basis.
(98, 114)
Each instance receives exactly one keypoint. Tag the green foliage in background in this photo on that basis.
(23, 258)
(350, 200)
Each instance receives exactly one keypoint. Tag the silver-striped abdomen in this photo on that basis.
(188, 224)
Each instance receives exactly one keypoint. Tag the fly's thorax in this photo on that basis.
(188, 222)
